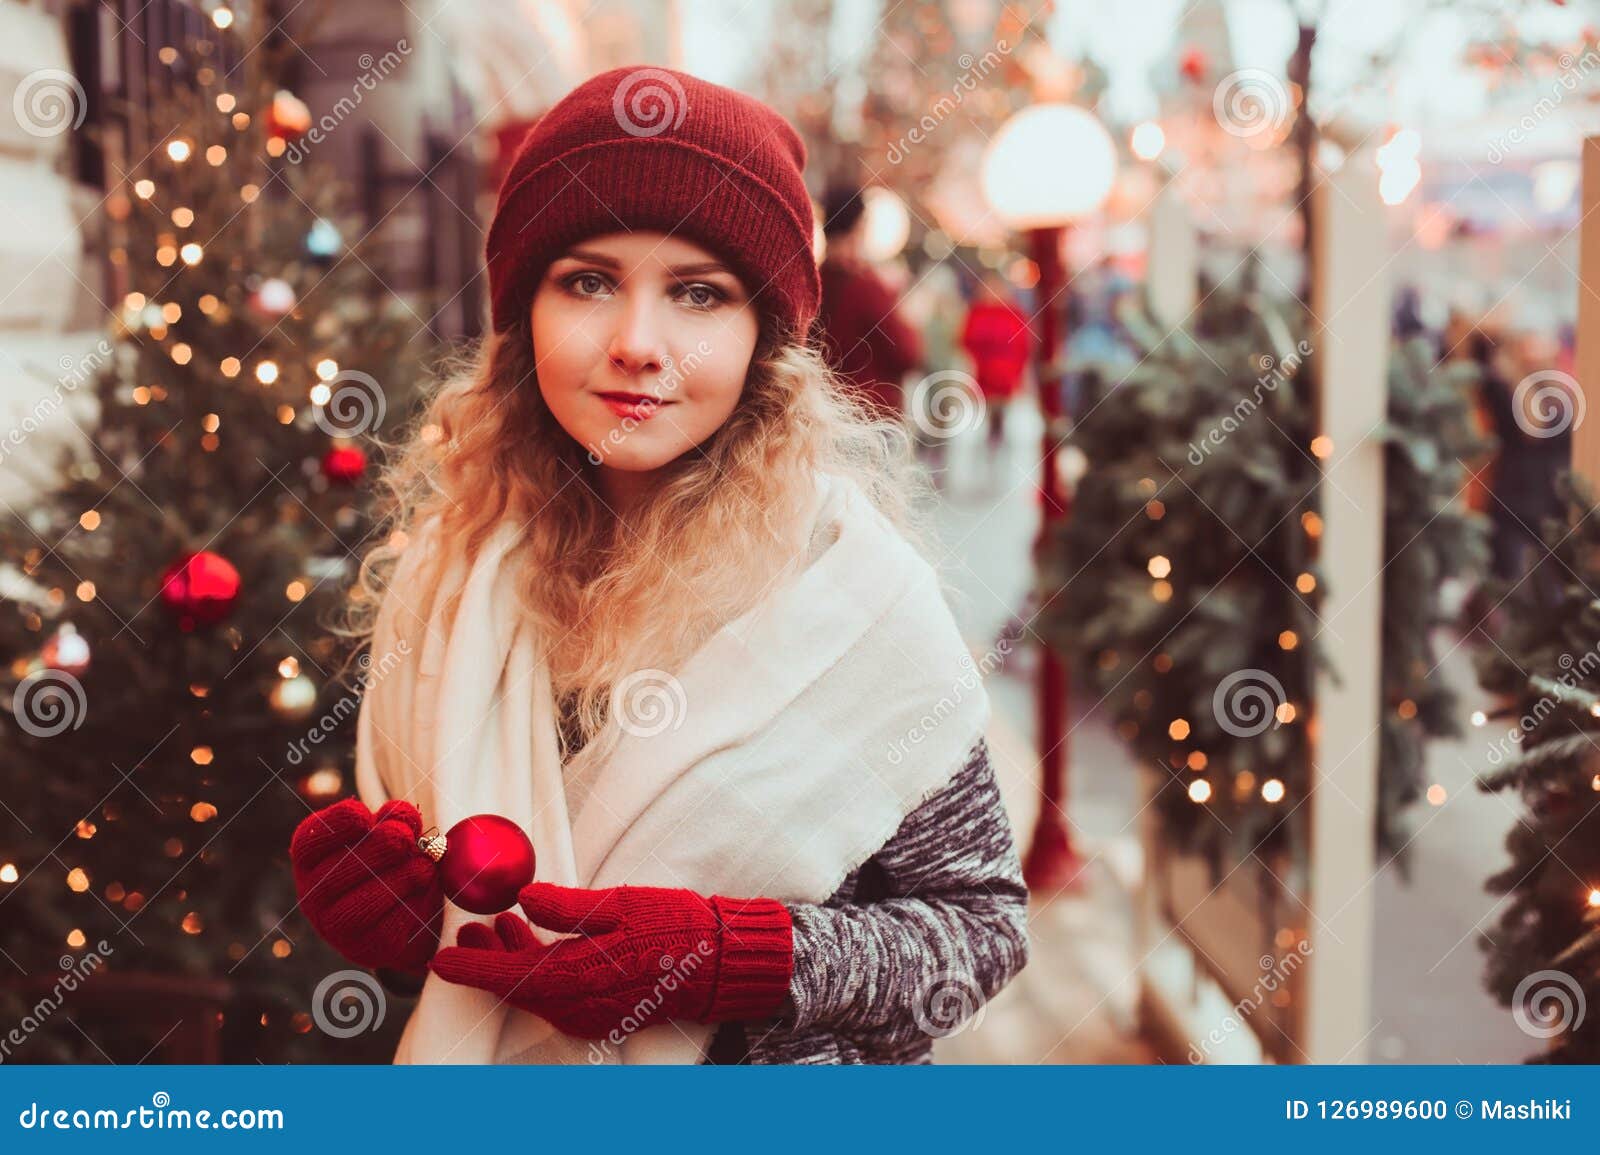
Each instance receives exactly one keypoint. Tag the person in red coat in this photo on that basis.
(861, 331)
(997, 338)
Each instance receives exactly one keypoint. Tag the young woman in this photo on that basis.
(650, 593)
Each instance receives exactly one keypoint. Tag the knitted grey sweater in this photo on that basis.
(910, 946)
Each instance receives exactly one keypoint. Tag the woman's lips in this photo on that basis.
(634, 405)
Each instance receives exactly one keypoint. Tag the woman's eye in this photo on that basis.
(586, 284)
(702, 296)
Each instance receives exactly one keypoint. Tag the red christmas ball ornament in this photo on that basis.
(344, 464)
(483, 862)
(200, 588)
(288, 115)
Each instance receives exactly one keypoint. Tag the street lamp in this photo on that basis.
(1049, 165)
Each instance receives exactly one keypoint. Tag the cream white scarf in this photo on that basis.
(783, 754)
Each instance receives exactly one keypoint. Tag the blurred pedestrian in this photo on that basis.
(997, 338)
(1533, 428)
(863, 335)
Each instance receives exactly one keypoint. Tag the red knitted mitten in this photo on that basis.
(647, 953)
(366, 887)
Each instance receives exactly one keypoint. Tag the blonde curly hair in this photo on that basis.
(612, 595)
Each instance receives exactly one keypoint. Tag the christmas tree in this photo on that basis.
(1542, 742)
(178, 703)
(1185, 582)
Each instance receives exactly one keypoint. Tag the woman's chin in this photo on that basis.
(632, 453)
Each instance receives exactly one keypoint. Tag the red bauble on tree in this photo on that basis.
(1193, 65)
(288, 117)
(344, 464)
(483, 862)
(200, 588)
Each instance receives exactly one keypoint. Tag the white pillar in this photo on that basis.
(1350, 302)
(1173, 278)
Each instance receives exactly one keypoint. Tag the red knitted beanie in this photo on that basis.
(658, 150)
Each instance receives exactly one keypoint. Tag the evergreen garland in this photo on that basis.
(1543, 955)
(1185, 582)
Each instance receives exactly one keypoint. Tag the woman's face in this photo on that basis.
(642, 342)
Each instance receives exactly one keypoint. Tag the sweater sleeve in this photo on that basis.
(949, 932)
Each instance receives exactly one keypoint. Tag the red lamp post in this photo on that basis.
(1049, 165)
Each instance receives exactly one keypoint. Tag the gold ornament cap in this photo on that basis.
(432, 843)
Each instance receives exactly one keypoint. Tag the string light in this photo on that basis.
(225, 102)
(222, 17)
(191, 253)
(179, 150)
(1305, 583)
(322, 783)
(1285, 713)
(1199, 790)
(144, 189)
(1436, 794)
(216, 156)
(267, 372)
(1272, 790)
(77, 880)
(1288, 640)
(1159, 566)
(1322, 446)
(327, 369)
(1311, 523)
(230, 366)
(1178, 729)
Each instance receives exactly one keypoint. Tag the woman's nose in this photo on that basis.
(637, 342)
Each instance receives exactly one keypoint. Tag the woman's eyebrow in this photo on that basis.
(590, 257)
(700, 269)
